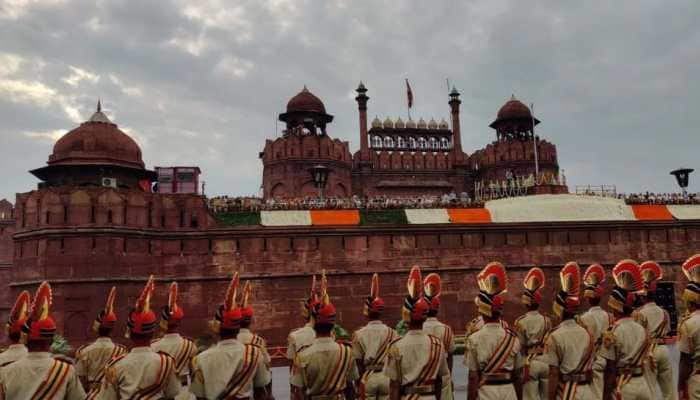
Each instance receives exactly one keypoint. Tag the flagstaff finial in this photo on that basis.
(99, 105)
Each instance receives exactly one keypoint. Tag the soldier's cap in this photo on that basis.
(246, 306)
(142, 320)
(492, 281)
(310, 302)
(691, 269)
(374, 304)
(415, 308)
(171, 314)
(593, 280)
(106, 317)
(534, 282)
(228, 315)
(324, 311)
(628, 282)
(40, 325)
(567, 299)
(651, 273)
(432, 287)
(18, 314)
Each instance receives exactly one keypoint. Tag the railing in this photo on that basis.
(514, 186)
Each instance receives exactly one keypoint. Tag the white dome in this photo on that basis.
(399, 123)
(443, 124)
(388, 123)
(422, 124)
(432, 124)
(411, 124)
(376, 123)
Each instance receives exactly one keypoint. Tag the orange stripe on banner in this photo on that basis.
(335, 217)
(646, 212)
(469, 215)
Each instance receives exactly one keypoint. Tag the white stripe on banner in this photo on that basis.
(685, 211)
(559, 207)
(285, 218)
(427, 216)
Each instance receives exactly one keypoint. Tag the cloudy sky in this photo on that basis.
(201, 82)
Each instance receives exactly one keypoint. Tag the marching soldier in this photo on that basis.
(417, 363)
(246, 336)
(531, 329)
(38, 375)
(230, 369)
(324, 370)
(181, 349)
(626, 343)
(596, 320)
(432, 326)
(142, 373)
(370, 345)
(93, 358)
(569, 348)
(15, 322)
(689, 333)
(304, 336)
(659, 325)
(492, 354)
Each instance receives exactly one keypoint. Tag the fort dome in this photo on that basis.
(514, 109)
(305, 101)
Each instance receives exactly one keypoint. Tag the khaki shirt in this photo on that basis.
(409, 355)
(623, 341)
(315, 366)
(478, 323)
(597, 321)
(13, 353)
(481, 345)
(93, 358)
(531, 328)
(299, 339)
(135, 371)
(689, 335)
(658, 320)
(182, 350)
(367, 341)
(23, 378)
(214, 368)
(568, 346)
(441, 331)
(245, 336)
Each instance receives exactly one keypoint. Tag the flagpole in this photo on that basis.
(534, 142)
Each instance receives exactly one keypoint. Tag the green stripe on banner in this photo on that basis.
(239, 218)
(373, 217)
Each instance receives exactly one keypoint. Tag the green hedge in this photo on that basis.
(239, 218)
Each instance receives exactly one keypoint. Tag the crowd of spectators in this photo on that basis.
(660, 198)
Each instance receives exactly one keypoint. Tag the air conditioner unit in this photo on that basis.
(109, 182)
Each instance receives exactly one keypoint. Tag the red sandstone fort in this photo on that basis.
(85, 236)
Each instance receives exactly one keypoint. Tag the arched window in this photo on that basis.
(388, 142)
(433, 143)
(422, 143)
(412, 142)
(377, 141)
(400, 142)
(444, 143)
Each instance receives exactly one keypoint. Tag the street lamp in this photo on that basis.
(319, 173)
(682, 175)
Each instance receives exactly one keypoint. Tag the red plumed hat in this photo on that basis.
(651, 273)
(432, 287)
(691, 269)
(492, 281)
(246, 307)
(568, 297)
(628, 281)
(533, 283)
(19, 313)
(228, 315)
(593, 280)
(142, 320)
(39, 324)
(374, 303)
(414, 305)
(106, 318)
(171, 314)
(324, 311)
(308, 305)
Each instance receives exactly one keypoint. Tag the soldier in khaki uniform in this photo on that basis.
(304, 336)
(38, 375)
(325, 370)
(531, 328)
(142, 373)
(689, 333)
(246, 336)
(230, 369)
(370, 345)
(432, 286)
(492, 354)
(659, 325)
(93, 358)
(15, 322)
(569, 349)
(596, 320)
(417, 363)
(626, 343)
(181, 349)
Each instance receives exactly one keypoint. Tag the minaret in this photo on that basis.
(362, 107)
(456, 131)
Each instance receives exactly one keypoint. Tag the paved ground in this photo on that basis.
(280, 378)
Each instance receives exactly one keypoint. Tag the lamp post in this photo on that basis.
(319, 173)
(682, 175)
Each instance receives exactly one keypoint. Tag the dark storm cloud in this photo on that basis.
(201, 82)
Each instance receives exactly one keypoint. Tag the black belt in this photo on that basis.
(423, 390)
(633, 372)
(583, 378)
(497, 378)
